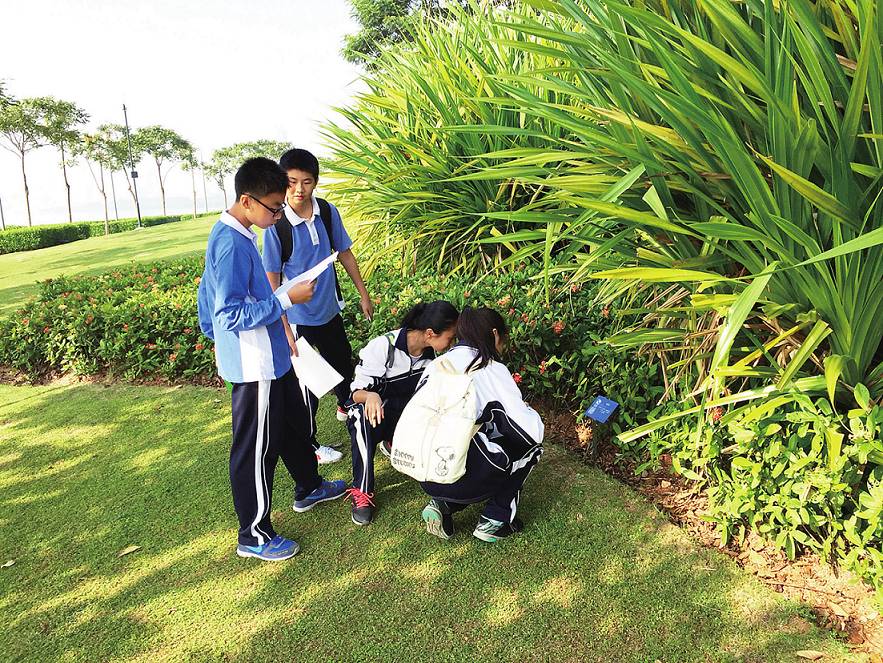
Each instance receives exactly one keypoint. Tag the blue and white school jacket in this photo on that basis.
(237, 307)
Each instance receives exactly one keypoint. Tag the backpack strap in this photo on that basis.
(327, 221)
(283, 230)
(391, 351)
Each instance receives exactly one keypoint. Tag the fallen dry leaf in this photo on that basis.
(810, 654)
(127, 550)
(8, 564)
(837, 609)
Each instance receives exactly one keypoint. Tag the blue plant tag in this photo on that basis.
(601, 409)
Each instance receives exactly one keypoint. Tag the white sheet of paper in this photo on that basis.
(313, 371)
(311, 274)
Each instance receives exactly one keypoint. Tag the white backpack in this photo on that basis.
(433, 434)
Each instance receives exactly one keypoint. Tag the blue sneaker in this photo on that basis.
(275, 550)
(328, 490)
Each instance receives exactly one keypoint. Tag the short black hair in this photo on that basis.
(298, 159)
(260, 177)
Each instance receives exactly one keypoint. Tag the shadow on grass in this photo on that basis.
(597, 575)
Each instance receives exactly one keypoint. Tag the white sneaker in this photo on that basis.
(341, 414)
(327, 455)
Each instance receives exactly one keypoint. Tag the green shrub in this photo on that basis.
(140, 322)
(14, 240)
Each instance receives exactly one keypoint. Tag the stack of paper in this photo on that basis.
(313, 371)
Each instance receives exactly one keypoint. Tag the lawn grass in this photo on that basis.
(19, 272)
(87, 470)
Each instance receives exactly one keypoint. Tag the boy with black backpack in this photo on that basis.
(308, 232)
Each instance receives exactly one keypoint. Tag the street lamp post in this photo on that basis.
(132, 166)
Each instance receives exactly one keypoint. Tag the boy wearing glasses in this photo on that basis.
(309, 232)
(239, 311)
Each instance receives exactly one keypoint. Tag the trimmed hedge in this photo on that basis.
(140, 322)
(13, 240)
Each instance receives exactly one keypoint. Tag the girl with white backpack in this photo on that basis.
(508, 443)
(389, 369)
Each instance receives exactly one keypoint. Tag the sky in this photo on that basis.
(217, 72)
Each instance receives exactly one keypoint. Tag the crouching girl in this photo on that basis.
(507, 445)
(389, 368)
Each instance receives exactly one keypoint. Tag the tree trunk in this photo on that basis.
(67, 185)
(224, 191)
(113, 190)
(2, 216)
(104, 195)
(204, 192)
(131, 190)
(162, 189)
(193, 183)
(24, 177)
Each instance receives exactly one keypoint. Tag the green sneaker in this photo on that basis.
(494, 530)
(438, 519)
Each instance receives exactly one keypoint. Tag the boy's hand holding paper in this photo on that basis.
(300, 289)
(301, 292)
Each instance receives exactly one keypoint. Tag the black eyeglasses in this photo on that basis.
(272, 210)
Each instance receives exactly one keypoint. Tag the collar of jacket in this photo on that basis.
(402, 344)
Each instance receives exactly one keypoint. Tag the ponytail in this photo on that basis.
(439, 316)
(475, 328)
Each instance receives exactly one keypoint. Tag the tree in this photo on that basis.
(226, 160)
(22, 127)
(190, 164)
(115, 135)
(61, 119)
(163, 145)
(386, 22)
(97, 148)
(4, 100)
(219, 167)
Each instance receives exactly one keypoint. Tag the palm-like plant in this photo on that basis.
(757, 129)
(407, 155)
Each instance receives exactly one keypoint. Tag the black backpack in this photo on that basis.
(283, 230)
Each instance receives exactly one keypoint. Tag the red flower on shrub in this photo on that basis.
(173, 357)
(605, 312)
(511, 311)
(504, 301)
(45, 330)
(716, 414)
(575, 287)
(558, 327)
(467, 294)
(125, 328)
(150, 346)
(517, 378)
(89, 319)
(187, 330)
(542, 366)
(25, 322)
(199, 346)
(197, 280)
(525, 317)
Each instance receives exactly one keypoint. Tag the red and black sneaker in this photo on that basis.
(341, 414)
(363, 506)
(386, 448)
